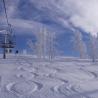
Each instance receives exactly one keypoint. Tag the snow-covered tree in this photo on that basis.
(31, 45)
(51, 36)
(93, 41)
(41, 43)
(44, 47)
(79, 44)
(45, 44)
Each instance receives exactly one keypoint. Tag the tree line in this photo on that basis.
(44, 46)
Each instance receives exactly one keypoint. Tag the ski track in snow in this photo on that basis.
(28, 78)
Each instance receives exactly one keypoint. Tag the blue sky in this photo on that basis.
(28, 16)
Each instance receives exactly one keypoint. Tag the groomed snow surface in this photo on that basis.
(25, 77)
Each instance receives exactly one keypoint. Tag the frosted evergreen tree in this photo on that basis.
(93, 47)
(44, 47)
(97, 45)
(31, 45)
(41, 43)
(79, 44)
(51, 45)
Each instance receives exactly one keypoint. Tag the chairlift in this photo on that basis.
(6, 41)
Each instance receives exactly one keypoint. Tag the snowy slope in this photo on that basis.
(26, 77)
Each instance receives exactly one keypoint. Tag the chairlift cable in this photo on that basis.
(7, 20)
(6, 16)
(5, 10)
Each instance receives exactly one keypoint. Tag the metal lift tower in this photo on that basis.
(6, 36)
(6, 42)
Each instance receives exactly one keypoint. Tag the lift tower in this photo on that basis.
(6, 42)
(6, 35)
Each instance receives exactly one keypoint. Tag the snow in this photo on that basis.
(24, 76)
